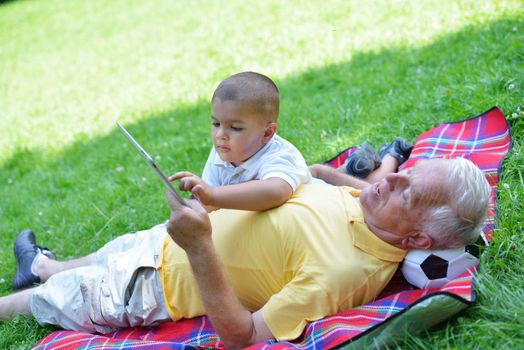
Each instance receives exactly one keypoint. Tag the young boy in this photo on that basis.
(250, 167)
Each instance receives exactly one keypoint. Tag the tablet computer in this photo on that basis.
(151, 163)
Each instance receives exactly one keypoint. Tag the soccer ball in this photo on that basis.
(435, 268)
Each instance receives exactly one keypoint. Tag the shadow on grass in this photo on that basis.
(5, 2)
(99, 188)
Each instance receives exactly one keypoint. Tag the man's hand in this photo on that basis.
(189, 182)
(188, 226)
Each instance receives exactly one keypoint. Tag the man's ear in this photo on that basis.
(271, 128)
(417, 240)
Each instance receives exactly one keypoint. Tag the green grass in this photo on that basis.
(347, 72)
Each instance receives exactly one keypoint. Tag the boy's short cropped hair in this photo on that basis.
(251, 87)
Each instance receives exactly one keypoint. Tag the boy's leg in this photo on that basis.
(389, 165)
(393, 154)
(16, 304)
(361, 162)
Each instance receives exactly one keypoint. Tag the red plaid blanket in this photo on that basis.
(484, 139)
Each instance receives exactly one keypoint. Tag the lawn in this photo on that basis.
(348, 71)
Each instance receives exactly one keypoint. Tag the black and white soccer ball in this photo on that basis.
(435, 268)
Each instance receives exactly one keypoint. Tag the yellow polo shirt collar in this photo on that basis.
(370, 243)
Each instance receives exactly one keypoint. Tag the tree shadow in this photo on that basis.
(4, 2)
(374, 96)
(99, 187)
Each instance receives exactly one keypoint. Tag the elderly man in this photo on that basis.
(257, 275)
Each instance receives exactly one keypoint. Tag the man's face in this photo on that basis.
(237, 132)
(395, 207)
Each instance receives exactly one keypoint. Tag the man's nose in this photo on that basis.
(395, 179)
(390, 180)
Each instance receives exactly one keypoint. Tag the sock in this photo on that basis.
(35, 261)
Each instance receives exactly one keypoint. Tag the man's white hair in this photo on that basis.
(461, 220)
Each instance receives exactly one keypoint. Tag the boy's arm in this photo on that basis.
(255, 195)
(334, 177)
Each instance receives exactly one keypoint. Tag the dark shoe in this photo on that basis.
(26, 251)
(399, 148)
(363, 161)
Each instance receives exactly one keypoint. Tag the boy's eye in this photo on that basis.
(215, 124)
(236, 128)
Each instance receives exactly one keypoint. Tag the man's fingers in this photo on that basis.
(180, 175)
(189, 226)
(173, 202)
(191, 204)
(197, 206)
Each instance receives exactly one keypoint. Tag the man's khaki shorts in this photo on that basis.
(120, 289)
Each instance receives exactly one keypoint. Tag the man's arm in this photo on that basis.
(255, 195)
(190, 228)
(335, 177)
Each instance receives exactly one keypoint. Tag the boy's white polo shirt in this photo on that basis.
(278, 158)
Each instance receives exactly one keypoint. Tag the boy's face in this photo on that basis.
(237, 131)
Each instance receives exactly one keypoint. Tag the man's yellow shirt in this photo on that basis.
(309, 258)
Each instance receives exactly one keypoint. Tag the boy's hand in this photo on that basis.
(189, 182)
(316, 169)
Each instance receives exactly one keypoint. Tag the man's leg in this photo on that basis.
(44, 267)
(15, 304)
(90, 293)
(95, 298)
(35, 264)
(19, 303)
